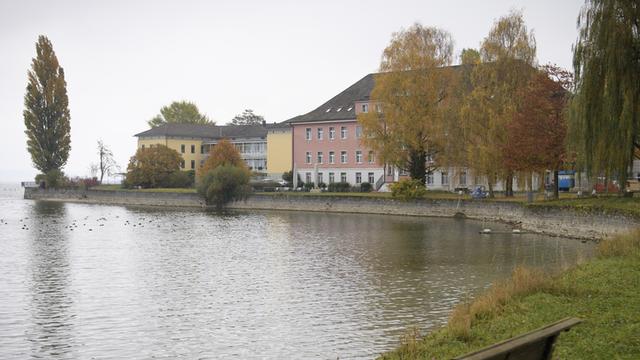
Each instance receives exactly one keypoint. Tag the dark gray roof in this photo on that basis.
(360, 91)
(206, 131)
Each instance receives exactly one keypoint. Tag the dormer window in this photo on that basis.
(329, 109)
(350, 108)
(339, 109)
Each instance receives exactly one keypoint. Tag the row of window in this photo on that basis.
(343, 177)
(193, 164)
(343, 157)
(332, 133)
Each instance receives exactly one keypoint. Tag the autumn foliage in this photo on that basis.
(536, 135)
(153, 167)
(223, 153)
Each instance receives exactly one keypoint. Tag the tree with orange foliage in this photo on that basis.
(224, 153)
(536, 135)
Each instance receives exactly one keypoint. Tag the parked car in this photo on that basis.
(633, 185)
(601, 188)
(479, 193)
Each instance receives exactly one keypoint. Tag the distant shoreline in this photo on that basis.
(590, 224)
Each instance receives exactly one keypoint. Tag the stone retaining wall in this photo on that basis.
(119, 197)
(548, 220)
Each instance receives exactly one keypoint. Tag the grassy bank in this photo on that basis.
(604, 292)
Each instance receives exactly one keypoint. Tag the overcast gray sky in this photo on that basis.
(124, 60)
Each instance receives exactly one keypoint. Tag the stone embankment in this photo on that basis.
(551, 220)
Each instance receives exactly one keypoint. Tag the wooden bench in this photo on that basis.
(534, 345)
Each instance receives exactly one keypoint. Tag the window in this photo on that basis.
(193, 164)
(359, 157)
(365, 108)
(182, 148)
(358, 178)
(308, 134)
(343, 157)
(343, 177)
(372, 178)
(463, 178)
(332, 133)
(308, 158)
(307, 177)
(343, 132)
(320, 157)
(331, 178)
(142, 146)
(201, 163)
(358, 132)
(320, 133)
(193, 149)
(430, 178)
(371, 159)
(378, 108)
(320, 180)
(332, 157)
(182, 164)
(201, 149)
(445, 178)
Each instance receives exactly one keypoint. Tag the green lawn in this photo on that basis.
(604, 292)
(629, 206)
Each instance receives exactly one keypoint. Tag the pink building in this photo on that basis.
(327, 144)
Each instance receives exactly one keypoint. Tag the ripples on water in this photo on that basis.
(85, 281)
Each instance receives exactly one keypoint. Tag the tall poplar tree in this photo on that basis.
(46, 113)
(606, 108)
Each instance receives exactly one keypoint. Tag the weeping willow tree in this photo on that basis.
(411, 95)
(605, 121)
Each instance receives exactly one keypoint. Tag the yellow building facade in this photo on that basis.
(279, 151)
(193, 142)
(190, 149)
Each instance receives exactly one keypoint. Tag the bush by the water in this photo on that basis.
(224, 184)
(154, 167)
(408, 189)
(366, 187)
(52, 179)
(339, 187)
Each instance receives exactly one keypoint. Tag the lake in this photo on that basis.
(95, 281)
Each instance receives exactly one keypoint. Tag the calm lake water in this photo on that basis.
(93, 281)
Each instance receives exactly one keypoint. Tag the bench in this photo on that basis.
(534, 345)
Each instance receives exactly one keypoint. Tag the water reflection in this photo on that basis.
(51, 331)
(88, 281)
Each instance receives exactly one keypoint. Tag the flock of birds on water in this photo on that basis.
(89, 225)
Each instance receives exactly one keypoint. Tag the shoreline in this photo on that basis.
(548, 220)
